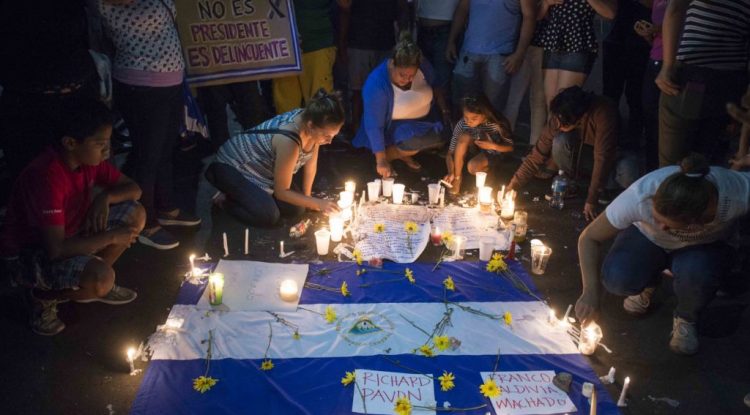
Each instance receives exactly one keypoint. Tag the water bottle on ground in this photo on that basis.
(559, 187)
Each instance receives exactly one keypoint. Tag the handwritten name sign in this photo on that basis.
(530, 392)
(393, 242)
(378, 391)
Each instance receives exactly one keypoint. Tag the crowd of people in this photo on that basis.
(456, 91)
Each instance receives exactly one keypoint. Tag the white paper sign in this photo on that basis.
(393, 242)
(529, 392)
(378, 391)
(472, 224)
(254, 286)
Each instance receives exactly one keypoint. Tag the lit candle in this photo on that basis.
(436, 237)
(226, 245)
(336, 223)
(288, 290)
(131, 358)
(552, 317)
(281, 248)
(567, 313)
(350, 186)
(589, 339)
(485, 199)
(192, 261)
(215, 289)
(508, 207)
(501, 194)
(346, 211)
(247, 241)
(621, 402)
(480, 177)
(346, 198)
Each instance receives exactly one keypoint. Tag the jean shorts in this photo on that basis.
(580, 62)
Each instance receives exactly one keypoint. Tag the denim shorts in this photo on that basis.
(581, 62)
(32, 267)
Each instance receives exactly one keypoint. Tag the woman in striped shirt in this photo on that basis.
(479, 131)
(254, 169)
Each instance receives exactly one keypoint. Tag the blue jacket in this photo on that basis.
(377, 97)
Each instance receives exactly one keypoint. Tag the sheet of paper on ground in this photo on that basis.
(393, 242)
(472, 224)
(254, 286)
(380, 390)
(529, 392)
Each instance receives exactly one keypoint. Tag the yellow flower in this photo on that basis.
(426, 350)
(330, 315)
(448, 284)
(442, 342)
(344, 289)
(403, 406)
(410, 275)
(204, 383)
(266, 365)
(349, 378)
(497, 264)
(379, 228)
(296, 335)
(446, 381)
(508, 318)
(447, 237)
(357, 256)
(490, 389)
(411, 227)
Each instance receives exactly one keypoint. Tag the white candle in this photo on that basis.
(480, 177)
(247, 241)
(131, 358)
(350, 186)
(281, 248)
(501, 194)
(567, 313)
(288, 290)
(398, 193)
(346, 198)
(336, 223)
(589, 339)
(621, 402)
(586, 389)
(226, 245)
(611, 374)
(508, 209)
(192, 261)
(552, 317)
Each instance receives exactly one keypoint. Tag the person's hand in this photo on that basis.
(589, 211)
(739, 163)
(384, 168)
(450, 52)
(449, 178)
(513, 63)
(665, 81)
(551, 3)
(485, 145)
(96, 217)
(587, 307)
(327, 207)
(124, 235)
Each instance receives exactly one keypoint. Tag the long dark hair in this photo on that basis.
(324, 109)
(684, 196)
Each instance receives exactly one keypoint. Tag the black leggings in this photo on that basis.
(245, 200)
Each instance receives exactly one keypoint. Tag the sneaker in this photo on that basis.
(684, 337)
(161, 239)
(116, 296)
(44, 319)
(180, 219)
(638, 304)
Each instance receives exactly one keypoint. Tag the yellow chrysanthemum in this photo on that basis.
(497, 264)
(403, 406)
(330, 315)
(344, 289)
(204, 383)
(296, 335)
(447, 237)
(410, 275)
(446, 381)
(349, 378)
(426, 350)
(508, 318)
(411, 227)
(442, 343)
(448, 284)
(266, 365)
(357, 256)
(379, 228)
(490, 389)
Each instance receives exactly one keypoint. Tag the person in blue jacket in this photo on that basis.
(399, 118)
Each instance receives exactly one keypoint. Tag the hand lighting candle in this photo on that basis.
(590, 338)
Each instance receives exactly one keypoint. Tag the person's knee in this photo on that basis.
(619, 276)
(138, 218)
(475, 166)
(99, 276)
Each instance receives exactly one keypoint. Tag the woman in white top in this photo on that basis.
(398, 119)
(678, 218)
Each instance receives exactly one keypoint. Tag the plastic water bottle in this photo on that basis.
(559, 187)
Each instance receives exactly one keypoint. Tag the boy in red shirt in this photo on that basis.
(61, 237)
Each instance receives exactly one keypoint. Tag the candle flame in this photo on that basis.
(131, 354)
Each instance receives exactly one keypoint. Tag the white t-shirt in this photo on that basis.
(437, 9)
(634, 207)
(413, 103)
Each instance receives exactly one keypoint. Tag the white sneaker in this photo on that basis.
(684, 337)
(638, 304)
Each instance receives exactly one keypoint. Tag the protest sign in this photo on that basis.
(379, 391)
(529, 392)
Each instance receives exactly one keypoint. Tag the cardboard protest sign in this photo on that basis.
(378, 391)
(226, 41)
(530, 392)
